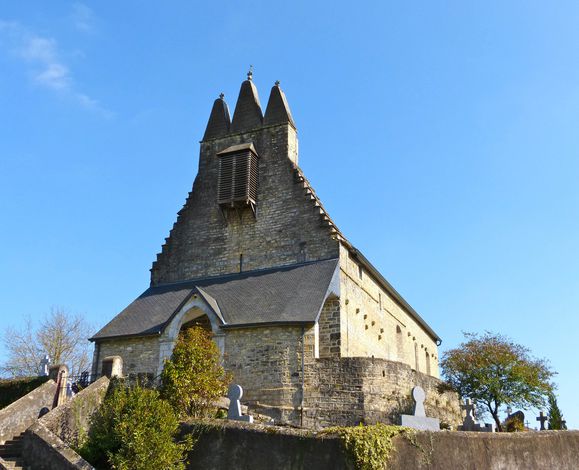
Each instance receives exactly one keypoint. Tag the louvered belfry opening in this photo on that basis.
(237, 183)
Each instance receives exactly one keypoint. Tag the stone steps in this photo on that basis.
(13, 463)
(11, 453)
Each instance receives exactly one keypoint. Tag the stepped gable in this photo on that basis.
(219, 120)
(278, 111)
(247, 114)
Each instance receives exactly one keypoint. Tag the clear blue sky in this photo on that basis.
(441, 136)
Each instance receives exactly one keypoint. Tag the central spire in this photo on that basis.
(247, 114)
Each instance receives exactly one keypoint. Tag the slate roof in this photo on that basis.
(290, 294)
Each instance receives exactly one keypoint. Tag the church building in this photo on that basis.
(308, 327)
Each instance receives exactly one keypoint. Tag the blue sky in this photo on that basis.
(441, 136)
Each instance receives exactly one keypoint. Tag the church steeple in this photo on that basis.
(247, 114)
(219, 121)
(278, 111)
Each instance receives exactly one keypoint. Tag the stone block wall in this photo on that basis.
(374, 324)
(266, 362)
(140, 355)
(349, 391)
(329, 329)
(287, 229)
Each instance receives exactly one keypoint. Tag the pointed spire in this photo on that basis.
(247, 114)
(219, 121)
(277, 111)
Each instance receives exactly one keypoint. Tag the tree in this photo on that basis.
(60, 335)
(555, 416)
(494, 371)
(134, 430)
(193, 378)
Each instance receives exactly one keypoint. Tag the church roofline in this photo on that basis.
(392, 291)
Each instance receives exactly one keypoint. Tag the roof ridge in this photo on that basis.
(254, 271)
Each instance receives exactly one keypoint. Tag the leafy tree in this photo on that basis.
(134, 429)
(494, 371)
(193, 378)
(61, 335)
(555, 416)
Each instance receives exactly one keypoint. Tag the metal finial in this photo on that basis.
(277, 83)
(221, 96)
(250, 73)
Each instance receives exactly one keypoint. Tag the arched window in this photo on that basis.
(416, 357)
(428, 363)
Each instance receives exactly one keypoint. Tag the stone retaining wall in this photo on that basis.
(351, 390)
(47, 443)
(241, 446)
(16, 417)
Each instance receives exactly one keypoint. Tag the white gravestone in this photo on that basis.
(469, 423)
(419, 420)
(235, 393)
(44, 365)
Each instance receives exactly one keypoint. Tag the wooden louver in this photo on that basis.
(237, 183)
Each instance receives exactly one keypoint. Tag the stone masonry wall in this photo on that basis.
(266, 362)
(329, 329)
(373, 324)
(349, 391)
(140, 355)
(288, 227)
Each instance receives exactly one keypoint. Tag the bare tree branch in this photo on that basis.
(61, 335)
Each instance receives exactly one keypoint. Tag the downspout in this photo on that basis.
(302, 394)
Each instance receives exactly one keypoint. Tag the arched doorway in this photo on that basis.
(195, 313)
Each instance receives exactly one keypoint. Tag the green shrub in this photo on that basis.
(13, 389)
(134, 430)
(514, 424)
(193, 378)
(369, 447)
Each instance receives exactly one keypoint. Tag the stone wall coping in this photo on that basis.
(49, 418)
(48, 388)
(51, 450)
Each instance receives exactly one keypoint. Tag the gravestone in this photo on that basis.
(470, 423)
(44, 365)
(419, 420)
(235, 393)
(542, 418)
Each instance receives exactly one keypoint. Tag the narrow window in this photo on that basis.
(416, 357)
(360, 271)
(241, 262)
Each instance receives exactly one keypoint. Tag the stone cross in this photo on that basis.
(235, 393)
(470, 409)
(542, 418)
(44, 363)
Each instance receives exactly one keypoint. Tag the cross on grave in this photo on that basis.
(44, 363)
(542, 418)
(469, 407)
(235, 393)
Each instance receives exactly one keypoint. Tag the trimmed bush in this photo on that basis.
(193, 378)
(134, 429)
(13, 389)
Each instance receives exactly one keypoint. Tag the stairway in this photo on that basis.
(11, 452)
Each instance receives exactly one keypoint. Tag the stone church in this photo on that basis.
(308, 327)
